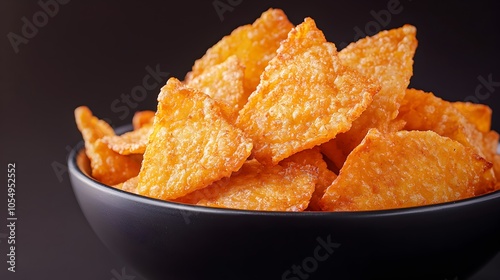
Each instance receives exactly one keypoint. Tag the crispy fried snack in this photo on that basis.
(313, 157)
(253, 44)
(424, 111)
(404, 169)
(107, 166)
(305, 97)
(386, 57)
(142, 118)
(133, 142)
(478, 114)
(496, 168)
(259, 187)
(191, 145)
(129, 186)
(224, 83)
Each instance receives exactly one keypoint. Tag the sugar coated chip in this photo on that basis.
(91, 127)
(478, 114)
(259, 187)
(107, 166)
(305, 97)
(224, 83)
(191, 145)
(424, 111)
(404, 169)
(253, 44)
(133, 142)
(313, 157)
(129, 186)
(142, 118)
(386, 57)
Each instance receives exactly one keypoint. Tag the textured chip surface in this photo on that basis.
(191, 145)
(107, 166)
(305, 97)
(132, 142)
(129, 186)
(313, 157)
(424, 111)
(404, 169)
(224, 83)
(259, 187)
(477, 114)
(253, 44)
(142, 118)
(386, 57)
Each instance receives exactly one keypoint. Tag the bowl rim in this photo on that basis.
(74, 170)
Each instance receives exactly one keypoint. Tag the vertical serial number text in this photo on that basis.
(11, 217)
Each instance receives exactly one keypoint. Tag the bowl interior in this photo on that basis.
(162, 239)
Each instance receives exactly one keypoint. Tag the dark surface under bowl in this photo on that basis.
(164, 240)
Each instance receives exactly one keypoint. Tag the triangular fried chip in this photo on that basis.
(496, 169)
(386, 57)
(107, 166)
(133, 142)
(129, 186)
(305, 97)
(314, 158)
(224, 83)
(142, 118)
(405, 169)
(259, 187)
(253, 44)
(191, 146)
(478, 114)
(424, 111)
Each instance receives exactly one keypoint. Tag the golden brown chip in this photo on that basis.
(142, 118)
(253, 44)
(490, 145)
(133, 142)
(404, 169)
(305, 97)
(424, 111)
(477, 114)
(386, 57)
(496, 168)
(129, 186)
(314, 158)
(191, 145)
(333, 153)
(107, 166)
(91, 127)
(259, 187)
(224, 83)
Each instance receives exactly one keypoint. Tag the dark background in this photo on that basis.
(90, 53)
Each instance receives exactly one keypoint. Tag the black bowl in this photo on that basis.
(165, 240)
